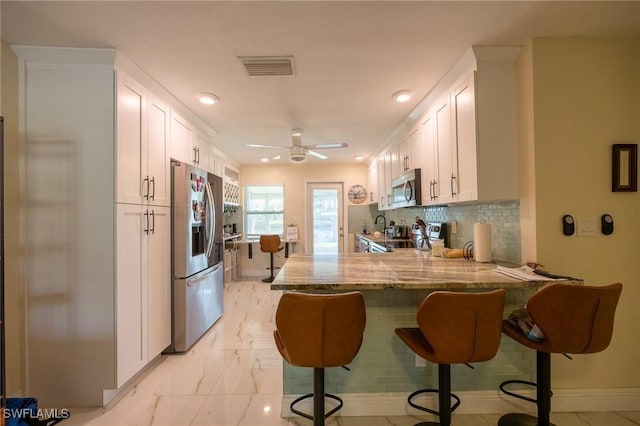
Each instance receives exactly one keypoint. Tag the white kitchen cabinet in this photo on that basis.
(181, 139)
(157, 152)
(447, 157)
(385, 175)
(201, 152)
(373, 184)
(142, 145)
(430, 170)
(131, 293)
(159, 279)
(95, 127)
(216, 162)
(143, 286)
(469, 132)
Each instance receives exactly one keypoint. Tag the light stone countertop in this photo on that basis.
(408, 269)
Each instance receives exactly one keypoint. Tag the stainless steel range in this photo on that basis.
(430, 232)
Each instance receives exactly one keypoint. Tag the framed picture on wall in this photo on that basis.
(624, 177)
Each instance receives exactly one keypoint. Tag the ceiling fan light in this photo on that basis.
(402, 96)
(297, 154)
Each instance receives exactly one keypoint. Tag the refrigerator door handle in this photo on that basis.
(210, 221)
(194, 281)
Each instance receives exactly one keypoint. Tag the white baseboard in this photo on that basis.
(477, 402)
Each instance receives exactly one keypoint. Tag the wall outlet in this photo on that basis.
(420, 362)
(453, 226)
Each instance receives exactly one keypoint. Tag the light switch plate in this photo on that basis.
(586, 227)
(420, 362)
(453, 226)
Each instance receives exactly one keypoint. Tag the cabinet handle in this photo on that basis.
(145, 182)
(153, 189)
(146, 216)
(435, 189)
(382, 200)
(198, 152)
(195, 158)
(388, 199)
(453, 193)
(431, 189)
(153, 222)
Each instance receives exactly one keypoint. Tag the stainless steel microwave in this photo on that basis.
(407, 190)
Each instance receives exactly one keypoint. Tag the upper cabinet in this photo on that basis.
(373, 184)
(465, 140)
(181, 139)
(142, 145)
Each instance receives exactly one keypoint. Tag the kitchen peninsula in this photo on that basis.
(393, 284)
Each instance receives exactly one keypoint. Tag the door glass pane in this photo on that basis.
(325, 221)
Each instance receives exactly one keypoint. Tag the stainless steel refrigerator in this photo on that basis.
(197, 248)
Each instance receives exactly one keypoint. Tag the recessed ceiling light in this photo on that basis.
(264, 159)
(208, 98)
(358, 157)
(402, 96)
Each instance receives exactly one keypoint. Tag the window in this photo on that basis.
(264, 209)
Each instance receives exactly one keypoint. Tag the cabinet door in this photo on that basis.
(201, 152)
(131, 315)
(415, 156)
(373, 184)
(181, 134)
(382, 186)
(464, 133)
(430, 169)
(159, 279)
(446, 182)
(158, 153)
(403, 156)
(130, 146)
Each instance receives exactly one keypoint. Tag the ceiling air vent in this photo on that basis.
(264, 66)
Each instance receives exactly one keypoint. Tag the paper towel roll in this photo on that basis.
(482, 242)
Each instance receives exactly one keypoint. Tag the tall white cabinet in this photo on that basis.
(143, 228)
(96, 147)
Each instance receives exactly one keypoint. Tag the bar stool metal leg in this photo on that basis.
(543, 397)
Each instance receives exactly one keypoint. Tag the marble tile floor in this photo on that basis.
(233, 376)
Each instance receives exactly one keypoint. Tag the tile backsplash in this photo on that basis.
(504, 217)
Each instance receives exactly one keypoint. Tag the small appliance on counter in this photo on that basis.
(425, 233)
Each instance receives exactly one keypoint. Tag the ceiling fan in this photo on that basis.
(298, 152)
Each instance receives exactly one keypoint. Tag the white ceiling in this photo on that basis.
(350, 56)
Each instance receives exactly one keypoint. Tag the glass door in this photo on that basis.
(325, 232)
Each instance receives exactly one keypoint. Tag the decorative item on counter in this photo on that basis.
(438, 247)
(452, 253)
(467, 250)
(364, 228)
(482, 242)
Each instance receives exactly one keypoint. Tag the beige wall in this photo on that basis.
(295, 177)
(585, 96)
(14, 301)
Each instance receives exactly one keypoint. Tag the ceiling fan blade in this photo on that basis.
(328, 145)
(317, 154)
(251, 145)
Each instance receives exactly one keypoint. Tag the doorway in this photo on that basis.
(325, 233)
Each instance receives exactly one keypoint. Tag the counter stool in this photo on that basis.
(270, 244)
(454, 328)
(575, 320)
(318, 331)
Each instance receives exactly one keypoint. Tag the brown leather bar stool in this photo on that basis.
(575, 320)
(319, 331)
(270, 244)
(454, 328)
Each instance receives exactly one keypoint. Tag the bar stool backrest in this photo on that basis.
(269, 243)
(462, 327)
(575, 319)
(320, 330)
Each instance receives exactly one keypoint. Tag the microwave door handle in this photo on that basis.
(408, 191)
(210, 221)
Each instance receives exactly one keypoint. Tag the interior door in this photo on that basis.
(325, 233)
